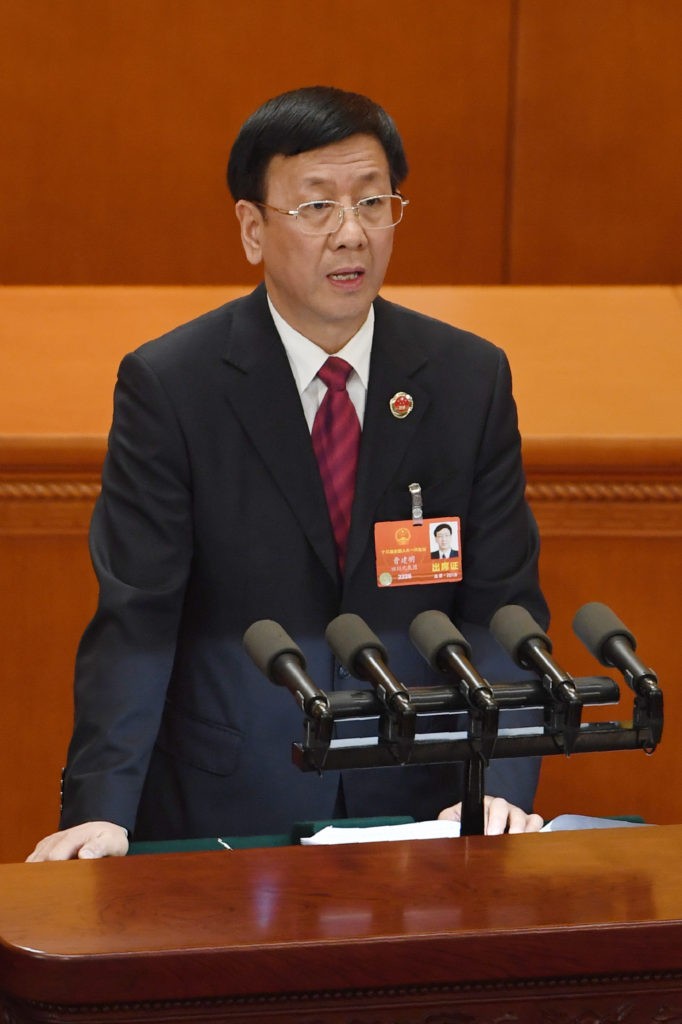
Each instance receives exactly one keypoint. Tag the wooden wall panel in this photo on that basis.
(543, 138)
(596, 193)
(636, 572)
(118, 117)
(48, 593)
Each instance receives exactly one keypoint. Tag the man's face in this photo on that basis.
(323, 285)
(444, 540)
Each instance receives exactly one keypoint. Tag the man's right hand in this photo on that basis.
(91, 840)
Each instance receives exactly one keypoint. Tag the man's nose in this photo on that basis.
(351, 233)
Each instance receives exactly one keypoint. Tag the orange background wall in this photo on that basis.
(544, 137)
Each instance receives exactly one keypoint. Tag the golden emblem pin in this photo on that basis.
(401, 405)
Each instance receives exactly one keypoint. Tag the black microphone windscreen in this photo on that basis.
(512, 626)
(594, 624)
(265, 641)
(348, 636)
(431, 631)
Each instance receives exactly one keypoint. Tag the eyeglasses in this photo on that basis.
(324, 216)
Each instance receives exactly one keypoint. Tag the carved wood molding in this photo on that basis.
(609, 509)
(537, 491)
(648, 998)
(52, 490)
(606, 491)
(33, 504)
(577, 509)
(591, 488)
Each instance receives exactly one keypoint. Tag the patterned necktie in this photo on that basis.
(336, 439)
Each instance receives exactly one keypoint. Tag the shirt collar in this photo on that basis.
(306, 358)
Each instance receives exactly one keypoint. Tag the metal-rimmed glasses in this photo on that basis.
(325, 216)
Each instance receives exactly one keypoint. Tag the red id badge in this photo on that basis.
(408, 554)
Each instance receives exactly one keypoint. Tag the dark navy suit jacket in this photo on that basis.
(177, 734)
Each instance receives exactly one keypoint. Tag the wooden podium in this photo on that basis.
(552, 928)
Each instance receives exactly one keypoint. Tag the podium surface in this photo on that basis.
(560, 926)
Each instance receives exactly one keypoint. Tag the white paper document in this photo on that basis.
(575, 822)
(331, 835)
(334, 835)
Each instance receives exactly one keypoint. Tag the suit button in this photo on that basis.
(342, 672)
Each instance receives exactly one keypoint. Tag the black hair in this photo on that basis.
(442, 526)
(304, 119)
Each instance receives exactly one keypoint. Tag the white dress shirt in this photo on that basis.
(306, 358)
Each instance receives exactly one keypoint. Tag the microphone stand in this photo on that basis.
(472, 822)
(398, 709)
(318, 751)
(482, 735)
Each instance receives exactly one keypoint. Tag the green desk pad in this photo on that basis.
(291, 838)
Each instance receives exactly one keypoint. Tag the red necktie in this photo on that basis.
(336, 439)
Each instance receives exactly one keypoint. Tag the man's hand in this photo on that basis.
(499, 816)
(91, 840)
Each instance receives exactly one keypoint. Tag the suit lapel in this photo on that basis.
(396, 360)
(262, 392)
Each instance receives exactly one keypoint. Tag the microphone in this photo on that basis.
(613, 645)
(362, 653)
(529, 646)
(445, 649)
(283, 662)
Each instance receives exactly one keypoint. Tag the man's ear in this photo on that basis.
(251, 226)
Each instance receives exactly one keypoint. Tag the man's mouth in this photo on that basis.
(347, 275)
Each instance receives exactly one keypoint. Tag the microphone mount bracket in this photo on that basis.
(398, 741)
(399, 708)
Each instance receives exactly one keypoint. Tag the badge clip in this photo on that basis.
(417, 510)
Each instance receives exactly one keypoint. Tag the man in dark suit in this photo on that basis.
(442, 535)
(176, 733)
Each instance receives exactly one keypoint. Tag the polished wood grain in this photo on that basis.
(596, 375)
(595, 194)
(119, 117)
(432, 926)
